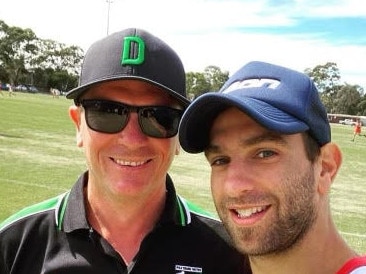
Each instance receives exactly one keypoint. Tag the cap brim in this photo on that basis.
(197, 120)
(77, 92)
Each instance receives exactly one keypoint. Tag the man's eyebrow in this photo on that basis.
(267, 136)
(211, 149)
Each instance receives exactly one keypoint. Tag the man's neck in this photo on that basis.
(125, 225)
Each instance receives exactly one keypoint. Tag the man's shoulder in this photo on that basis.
(207, 234)
(51, 205)
(205, 222)
(199, 211)
(355, 265)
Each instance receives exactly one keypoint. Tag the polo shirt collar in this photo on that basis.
(74, 217)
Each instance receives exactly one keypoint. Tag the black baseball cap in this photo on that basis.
(132, 54)
(280, 99)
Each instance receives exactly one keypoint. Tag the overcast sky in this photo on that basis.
(226, 33)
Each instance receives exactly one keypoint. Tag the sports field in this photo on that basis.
(39, 159)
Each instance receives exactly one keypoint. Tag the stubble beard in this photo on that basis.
(291, 223)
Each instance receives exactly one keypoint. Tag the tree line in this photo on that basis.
(27, 59)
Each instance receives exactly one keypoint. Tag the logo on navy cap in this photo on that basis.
(253, 83)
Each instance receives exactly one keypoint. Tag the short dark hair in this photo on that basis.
(312, 148)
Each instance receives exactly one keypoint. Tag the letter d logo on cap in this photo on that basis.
(126, 52)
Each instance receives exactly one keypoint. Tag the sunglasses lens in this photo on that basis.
(160, 122)
(105, 117)
(112, 117)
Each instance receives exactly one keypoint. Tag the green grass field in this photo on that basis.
(39, 159)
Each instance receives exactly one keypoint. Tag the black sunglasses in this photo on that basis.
(112, 117)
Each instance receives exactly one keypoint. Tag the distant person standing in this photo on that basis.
(55, 92)
(1, 90)
(357, 130)
(11, 92)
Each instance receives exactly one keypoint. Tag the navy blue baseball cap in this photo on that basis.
(278, 98)
(133, 54)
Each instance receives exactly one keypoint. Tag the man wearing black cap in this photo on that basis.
(122, 215)
(267, 139)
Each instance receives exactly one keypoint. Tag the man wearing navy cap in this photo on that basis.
(267, 139)
(123, 214)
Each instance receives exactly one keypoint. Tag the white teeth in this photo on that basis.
(128, 163)
(244, 213)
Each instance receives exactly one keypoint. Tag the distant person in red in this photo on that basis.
(357, 130)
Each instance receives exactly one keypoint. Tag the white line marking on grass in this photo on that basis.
(354, 234)
(32, 184)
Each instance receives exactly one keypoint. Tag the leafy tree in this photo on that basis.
(60, 63)
(346, 100)
(361, 106)
(17, 48)
(212, 79)
(338, 98)
(196, 84)
(58, 56)
(26, 59)
(326, 77)
(215, 77)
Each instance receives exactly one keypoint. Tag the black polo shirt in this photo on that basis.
(55, 237)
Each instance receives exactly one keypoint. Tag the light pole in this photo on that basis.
(109, 7)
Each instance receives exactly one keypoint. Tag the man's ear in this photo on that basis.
(75, 115)
(330, 161)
